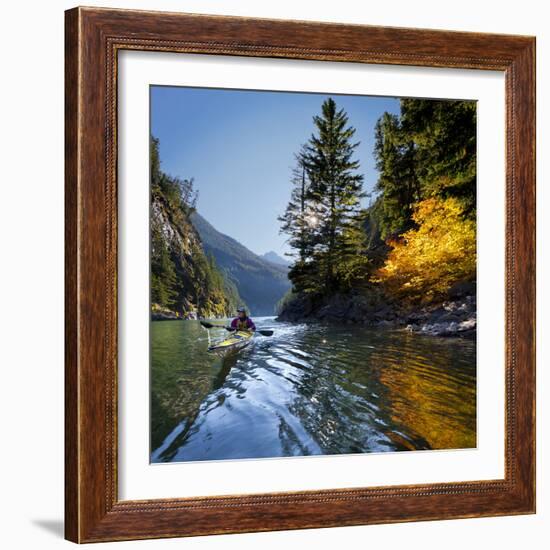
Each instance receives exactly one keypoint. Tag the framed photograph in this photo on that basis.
(300, 275)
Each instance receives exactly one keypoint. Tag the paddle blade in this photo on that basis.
(205, 324)
(266, 332)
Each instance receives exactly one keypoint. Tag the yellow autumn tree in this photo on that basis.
(425, 262)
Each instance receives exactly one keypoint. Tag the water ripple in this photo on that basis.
(310, 390)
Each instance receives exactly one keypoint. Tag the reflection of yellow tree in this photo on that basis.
(436, 404)
(429, 259)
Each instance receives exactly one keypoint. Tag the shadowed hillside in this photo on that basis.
(261, 283)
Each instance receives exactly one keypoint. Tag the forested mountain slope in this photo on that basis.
(185, 280)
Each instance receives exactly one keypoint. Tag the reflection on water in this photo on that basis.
(309, 390)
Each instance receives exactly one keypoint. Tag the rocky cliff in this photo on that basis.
(185, 282)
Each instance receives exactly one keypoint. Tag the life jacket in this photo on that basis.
(243, 324)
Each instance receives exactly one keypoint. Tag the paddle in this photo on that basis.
(210, 325)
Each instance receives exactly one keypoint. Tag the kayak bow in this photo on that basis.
(236, 341)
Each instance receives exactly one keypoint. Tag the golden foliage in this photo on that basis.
(427, 260)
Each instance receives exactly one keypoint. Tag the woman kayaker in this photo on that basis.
(243, 321)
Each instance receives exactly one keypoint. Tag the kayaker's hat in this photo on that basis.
(241, 310)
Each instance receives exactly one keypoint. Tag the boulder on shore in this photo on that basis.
(452, 318)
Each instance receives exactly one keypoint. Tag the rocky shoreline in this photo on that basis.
(163, 314)
(453, 317)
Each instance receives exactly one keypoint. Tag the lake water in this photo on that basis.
(308, 390)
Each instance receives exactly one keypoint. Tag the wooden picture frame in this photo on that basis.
(93, 511)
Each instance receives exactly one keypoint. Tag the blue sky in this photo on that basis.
(239, 147)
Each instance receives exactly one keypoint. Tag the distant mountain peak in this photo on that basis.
(273, 257)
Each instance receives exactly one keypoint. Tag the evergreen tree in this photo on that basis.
(428, 151)
(398, 184)
(299, 222)
(335, 190)
(294, 221)
(156, 173)
(444, 134)
(163, 273)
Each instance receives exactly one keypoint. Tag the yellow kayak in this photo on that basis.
(236, 341)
